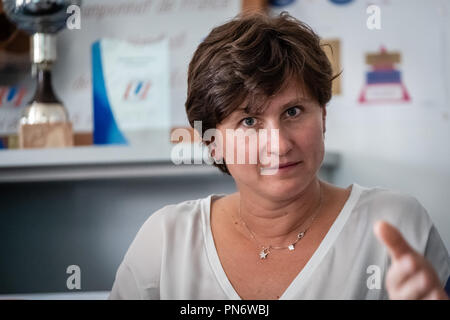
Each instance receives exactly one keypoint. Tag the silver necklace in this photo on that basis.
(266, 249)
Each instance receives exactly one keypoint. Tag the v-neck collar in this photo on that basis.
(302, 277)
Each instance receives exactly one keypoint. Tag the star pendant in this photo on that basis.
(263, 254)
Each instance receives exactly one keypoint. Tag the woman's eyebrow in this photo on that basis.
(243, 109)
(246, 108)
(295, 101)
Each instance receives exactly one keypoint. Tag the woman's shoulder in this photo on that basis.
(164, 228)
(394, 203)
(176, 219)
(140, 271)
(399, 208)
(179, 214)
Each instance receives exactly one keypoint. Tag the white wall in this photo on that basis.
(403, 146)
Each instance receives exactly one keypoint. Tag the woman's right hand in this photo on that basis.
(410, 275)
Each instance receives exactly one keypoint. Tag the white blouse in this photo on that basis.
(174, 256)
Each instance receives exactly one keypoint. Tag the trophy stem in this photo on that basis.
(43, 48)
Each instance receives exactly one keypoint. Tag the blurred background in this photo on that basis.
(119, 73)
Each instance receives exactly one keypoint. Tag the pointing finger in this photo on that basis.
(392, 239)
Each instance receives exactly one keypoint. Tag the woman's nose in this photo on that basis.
(279, 141)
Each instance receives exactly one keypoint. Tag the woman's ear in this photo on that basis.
(211, 149)
(214, 141)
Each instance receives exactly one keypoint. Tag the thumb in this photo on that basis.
(392, 239)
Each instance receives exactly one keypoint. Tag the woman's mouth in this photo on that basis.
(287, 165)
(282, 167)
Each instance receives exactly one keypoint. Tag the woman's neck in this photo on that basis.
(277, 222)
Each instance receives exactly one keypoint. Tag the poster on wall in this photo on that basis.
(384, 82)
(332, 48)
(131, 91)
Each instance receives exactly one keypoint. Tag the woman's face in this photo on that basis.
(300, 123)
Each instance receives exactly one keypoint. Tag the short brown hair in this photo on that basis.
(250, 58)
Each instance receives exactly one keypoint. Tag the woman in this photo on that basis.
(286, 234)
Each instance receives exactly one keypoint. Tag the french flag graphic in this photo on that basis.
(137, 90)
(12, 96)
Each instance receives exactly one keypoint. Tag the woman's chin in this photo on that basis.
(282, 188)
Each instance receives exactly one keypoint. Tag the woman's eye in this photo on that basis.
(292, 112)
(249, 122)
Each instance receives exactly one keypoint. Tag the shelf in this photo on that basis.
(83, 156)
(83, 295)
(110, 162)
